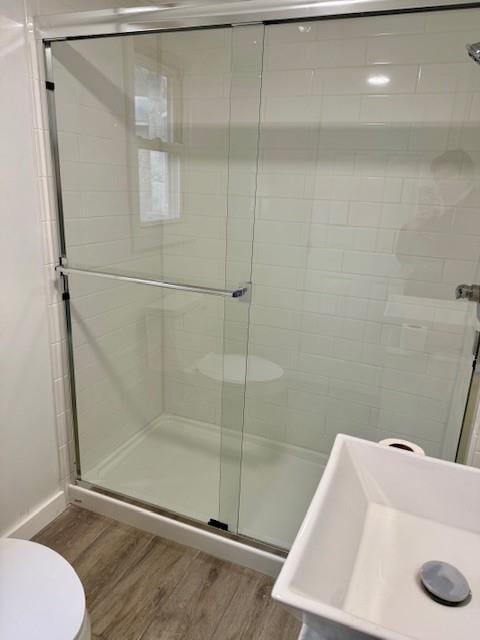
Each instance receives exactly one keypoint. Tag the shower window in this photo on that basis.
(157, 151)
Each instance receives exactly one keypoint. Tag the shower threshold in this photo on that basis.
(175, 463)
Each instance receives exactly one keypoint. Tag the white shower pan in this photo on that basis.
(175, 463)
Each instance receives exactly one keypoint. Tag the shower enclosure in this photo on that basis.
(262, 227)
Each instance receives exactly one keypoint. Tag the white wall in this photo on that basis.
(29, 457)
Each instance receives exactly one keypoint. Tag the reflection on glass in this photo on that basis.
(153, 118)
(379, 80)
(158, 168)
(158, 189)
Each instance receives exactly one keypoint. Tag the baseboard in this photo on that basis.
(39, 518)
(218, 546)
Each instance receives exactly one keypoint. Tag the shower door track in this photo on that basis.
(177, 517)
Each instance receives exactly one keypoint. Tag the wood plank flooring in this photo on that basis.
(142, 587)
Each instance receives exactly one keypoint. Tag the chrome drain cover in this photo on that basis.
(444, 583)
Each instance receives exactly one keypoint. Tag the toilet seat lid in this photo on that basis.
(41, 596)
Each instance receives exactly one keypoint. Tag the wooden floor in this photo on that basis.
(141, 587)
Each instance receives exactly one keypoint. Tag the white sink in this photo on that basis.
(378, 514)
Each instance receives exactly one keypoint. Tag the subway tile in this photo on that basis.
(274, 232)
(285, 83)
(444, 78)
(371, 137)
(287, 161)
(291, 32)
(342, 369)
(364, 214)
(337, 212)
(289, 55)
(273, 337)
(340, 109)
(277, 276)
(243, 84)
(275, 297)
(334, 237)
(281, 255)
(417, 384)
(269, 316)
(436, 245)
(294, 111)
(324, 259)
(284, 209)
(355, 80)
(418, 48)
(280, 185)
(409, 426)
(338, 53)
(457, 271)
(372, 26)
(439, 21)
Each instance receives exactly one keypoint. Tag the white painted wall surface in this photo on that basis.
(29, 462)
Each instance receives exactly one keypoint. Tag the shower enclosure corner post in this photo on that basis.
(69, 388)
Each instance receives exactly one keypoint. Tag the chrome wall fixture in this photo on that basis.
(469, 292)
(474, 51)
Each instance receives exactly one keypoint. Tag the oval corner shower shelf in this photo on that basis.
(231, 368)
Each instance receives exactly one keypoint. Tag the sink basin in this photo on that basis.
(379, 514)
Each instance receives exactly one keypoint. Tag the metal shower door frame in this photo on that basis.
(198, 14)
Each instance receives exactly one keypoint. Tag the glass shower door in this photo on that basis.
(158, 173)
(366, 221)
(336, 165)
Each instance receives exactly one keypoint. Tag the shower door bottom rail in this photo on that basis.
(241, 292)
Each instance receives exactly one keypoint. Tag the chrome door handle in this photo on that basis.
(241, 292)
(468, 292)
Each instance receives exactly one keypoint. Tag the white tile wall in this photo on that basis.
(133, 357)
(118, 391)
(365, 222)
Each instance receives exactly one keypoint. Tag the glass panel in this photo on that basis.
(246, 57)
(367, 219)
(158, 178)
(149, 414)
(144, 127)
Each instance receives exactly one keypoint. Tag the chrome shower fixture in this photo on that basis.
(474, 51)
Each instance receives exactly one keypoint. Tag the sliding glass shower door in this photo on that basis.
(158, 150)
(367, 219)
(333, 163)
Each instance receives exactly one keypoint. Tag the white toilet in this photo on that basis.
(41, 596)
